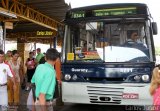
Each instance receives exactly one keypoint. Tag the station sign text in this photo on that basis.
(44, 33)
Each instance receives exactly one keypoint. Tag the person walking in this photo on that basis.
(8, 56)
(44, 79)
(34, 53)
(5, 72)
(58, 91)
(155, 88)
(39, 55)
(16, 67)
(31, 65)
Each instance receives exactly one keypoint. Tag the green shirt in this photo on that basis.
(39, 56)
(45, 80)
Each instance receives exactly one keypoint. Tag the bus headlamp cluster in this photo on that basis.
(137, 78)
(74, 77)
(144, 78)
(68, 77)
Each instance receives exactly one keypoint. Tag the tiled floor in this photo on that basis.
(23, 103)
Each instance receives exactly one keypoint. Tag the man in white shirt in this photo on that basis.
(5, 72)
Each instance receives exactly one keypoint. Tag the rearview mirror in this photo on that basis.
(155, 29)
(60, 31)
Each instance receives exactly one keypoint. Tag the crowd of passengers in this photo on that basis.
(19, 74)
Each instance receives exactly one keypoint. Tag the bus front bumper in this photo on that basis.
(106, 94)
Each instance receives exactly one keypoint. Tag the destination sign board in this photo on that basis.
(78, 14)
(102, 12)
(115, 11)
(44, 33)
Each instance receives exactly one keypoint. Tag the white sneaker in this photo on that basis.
(27, 89)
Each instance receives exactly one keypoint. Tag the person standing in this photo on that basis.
(39, 55)
(155, 88)
(44, 79)
(58, 91)
(31, 65)
(5, 72)
(8, 56)
(34, 53)
(16, 67)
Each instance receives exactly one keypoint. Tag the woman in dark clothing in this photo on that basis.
(31, 66)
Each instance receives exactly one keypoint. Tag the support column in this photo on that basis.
(4, 38)
(1, 37)
(51, 42)
(54, 42)
(20, 47)
(35, 46)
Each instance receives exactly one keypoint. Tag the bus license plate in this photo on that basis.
(130, 96)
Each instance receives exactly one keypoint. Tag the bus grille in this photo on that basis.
(105, 95)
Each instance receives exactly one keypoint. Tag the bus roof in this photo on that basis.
(116, 10)
(114, 5)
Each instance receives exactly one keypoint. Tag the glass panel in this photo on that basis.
(102, 41)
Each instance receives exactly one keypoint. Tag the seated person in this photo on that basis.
(133, 42)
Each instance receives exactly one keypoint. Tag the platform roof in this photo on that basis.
(54, 9)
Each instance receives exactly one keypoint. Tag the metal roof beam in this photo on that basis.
(46, 3)
(25, 12)
(39, 1)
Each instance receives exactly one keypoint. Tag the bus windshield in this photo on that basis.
(103, 41)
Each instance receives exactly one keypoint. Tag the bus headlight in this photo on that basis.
(74, 77)
(67, 77)
(145, 78)
(137, 78)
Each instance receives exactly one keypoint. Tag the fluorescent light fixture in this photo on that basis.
(7, 14)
